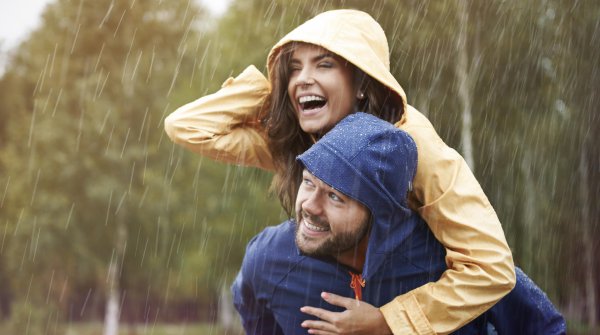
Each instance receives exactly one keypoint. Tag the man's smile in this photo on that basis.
(313, 227)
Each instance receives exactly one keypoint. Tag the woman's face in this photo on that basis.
(321, 87)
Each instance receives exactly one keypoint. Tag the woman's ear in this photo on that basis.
(360, 95)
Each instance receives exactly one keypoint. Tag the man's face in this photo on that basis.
(328, 223)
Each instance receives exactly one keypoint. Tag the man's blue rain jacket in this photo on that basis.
(374, 163)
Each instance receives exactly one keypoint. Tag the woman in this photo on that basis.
(330, 66)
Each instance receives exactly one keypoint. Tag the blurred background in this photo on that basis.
(105, 224)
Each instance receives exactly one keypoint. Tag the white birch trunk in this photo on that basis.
(226, 309)
(113, 312)
(111, 316)
(465, 85)
(530, 218)
(587, 243)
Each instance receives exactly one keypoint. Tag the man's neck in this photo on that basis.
(355, 258)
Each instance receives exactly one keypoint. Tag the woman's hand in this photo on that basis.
(358, 318)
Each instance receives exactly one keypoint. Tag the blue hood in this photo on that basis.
(374, 163)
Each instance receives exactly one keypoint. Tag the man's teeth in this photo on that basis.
(313, 227)
(310, 98)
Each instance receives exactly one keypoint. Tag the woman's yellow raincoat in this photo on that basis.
(225, 127)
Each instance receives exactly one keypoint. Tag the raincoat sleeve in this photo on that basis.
(480, 266)
(225, 125)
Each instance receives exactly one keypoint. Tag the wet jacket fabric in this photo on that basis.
(276, 280)
(372, 162)
(225, 126)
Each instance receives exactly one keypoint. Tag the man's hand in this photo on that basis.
(358, 318)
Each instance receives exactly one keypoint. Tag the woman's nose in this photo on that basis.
(305, 77)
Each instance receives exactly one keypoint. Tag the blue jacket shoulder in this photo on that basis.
(273, 245)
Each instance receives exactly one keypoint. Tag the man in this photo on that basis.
(354, 236)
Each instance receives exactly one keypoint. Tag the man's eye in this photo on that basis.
(334, 197)
(307, 182)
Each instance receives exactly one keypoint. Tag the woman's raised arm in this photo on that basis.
(225, 125)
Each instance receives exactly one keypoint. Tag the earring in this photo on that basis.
(360, 95)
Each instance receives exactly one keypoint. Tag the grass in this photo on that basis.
(95, 328)
(144, 329)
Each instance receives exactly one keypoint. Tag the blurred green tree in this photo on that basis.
(95, 199)
(85, 160)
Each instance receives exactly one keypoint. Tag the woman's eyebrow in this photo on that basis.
(315, 58)
(322, 56)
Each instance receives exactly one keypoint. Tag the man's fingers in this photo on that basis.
(334, 299)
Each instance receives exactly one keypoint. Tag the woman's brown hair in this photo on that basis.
(286, 139)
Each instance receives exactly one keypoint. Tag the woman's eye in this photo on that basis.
(294, 67)
(326, 65)
(307, 182)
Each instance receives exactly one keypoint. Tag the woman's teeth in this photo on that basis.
(308, 98)
(311, 102)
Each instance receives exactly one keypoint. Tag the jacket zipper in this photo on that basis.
(357, 283)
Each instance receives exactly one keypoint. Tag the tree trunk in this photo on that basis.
(587, 243)
(530, 229)
(226, 310)
(112, 312)
(465, 85)
(111, 315)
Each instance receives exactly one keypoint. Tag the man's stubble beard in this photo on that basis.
(333, 245)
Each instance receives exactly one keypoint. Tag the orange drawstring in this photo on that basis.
(356, 283)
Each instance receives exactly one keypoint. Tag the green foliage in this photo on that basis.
(34, 319)
(83, 152)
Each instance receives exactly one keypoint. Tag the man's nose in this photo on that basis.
(312, 205)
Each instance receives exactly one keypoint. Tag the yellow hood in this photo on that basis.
(351, 34)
